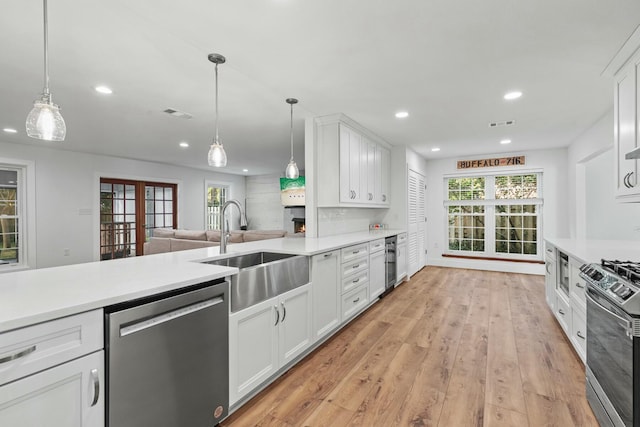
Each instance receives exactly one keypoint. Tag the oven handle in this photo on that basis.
(627, 323)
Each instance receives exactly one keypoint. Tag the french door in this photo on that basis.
(129, 210)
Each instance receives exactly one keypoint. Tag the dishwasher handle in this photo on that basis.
(168, 316)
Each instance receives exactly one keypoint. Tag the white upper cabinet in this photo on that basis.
(625, 68)
(362, 163)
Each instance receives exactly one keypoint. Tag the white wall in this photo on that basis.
(264, 207)
(606, 218)
(67, 199)
(555, 221)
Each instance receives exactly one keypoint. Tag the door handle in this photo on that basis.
(96, 386)
(629, 180)
(284, 311)
(18, 355)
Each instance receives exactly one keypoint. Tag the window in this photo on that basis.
(217, 195)
(17, 194)
(494, 215)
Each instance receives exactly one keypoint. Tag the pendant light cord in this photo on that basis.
(216, 141)
(46, 51)
(291, 132)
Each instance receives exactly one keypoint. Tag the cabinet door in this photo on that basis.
(401, 260)
(351, 157)
(376, 275)
(295, 323)
(325, 282)
(253, 347)
(70, 395)
(550, 282)
(373, 172)
(625, 130)
(577, 285)
(383, 156)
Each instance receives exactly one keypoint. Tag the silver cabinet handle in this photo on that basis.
(277, 315)
(356, 266)
(579, 335)
(356, 281)
(18, 355)
(356, 300)
(560, 311)
(96, 386)
(356, 252)
(384, 198)
(284, 311)
(624, 180)
(327, 255)
(578, 285)
(548, 265)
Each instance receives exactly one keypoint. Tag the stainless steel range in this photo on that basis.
(613, 341)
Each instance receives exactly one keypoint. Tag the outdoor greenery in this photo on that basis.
(9, 224)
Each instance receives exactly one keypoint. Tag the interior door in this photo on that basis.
(129, 210)
(417, 227)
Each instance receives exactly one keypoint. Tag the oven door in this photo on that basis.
(610, 356)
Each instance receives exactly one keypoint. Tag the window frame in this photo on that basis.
(25, 213)
(490, 203)
(214, 184)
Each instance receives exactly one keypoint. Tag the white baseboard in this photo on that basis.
(473, 264)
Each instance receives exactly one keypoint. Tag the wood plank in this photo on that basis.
(329, 414)
(496, 416)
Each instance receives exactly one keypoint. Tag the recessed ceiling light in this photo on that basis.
(505, 141)
(245, 170)
(402, 114)
(184, 144)
(103, 89)
(435, 149)
(10, 130)
(512, 95)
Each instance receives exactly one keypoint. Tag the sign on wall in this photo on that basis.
(489, 163)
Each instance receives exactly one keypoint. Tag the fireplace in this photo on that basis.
(298, 225)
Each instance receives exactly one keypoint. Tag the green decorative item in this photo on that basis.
(292, 191)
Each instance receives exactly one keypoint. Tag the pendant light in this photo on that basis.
(217, 157)
(292, 171)
(45, 121)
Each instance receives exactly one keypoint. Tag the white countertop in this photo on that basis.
(34, 296)
(593, 251)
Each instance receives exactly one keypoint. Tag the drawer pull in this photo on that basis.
(578, 285)
(357, 280)
(18, 355)
(560, 311)
(579, 335)
(96, 386)
(356, 300)
(356, 266)
(327, 255)
(356, 252)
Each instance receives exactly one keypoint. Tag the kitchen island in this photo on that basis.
(52, 337)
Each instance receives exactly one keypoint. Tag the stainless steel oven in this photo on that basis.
(613, 344)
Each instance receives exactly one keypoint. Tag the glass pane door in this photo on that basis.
(117, 219)
(159, 207)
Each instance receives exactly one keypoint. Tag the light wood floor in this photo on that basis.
(448, 348)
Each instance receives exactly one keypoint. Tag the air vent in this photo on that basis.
(502, 123)
(178, 113)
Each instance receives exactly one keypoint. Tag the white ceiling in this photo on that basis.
(447, 62)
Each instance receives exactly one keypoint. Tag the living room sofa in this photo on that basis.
(169, 240)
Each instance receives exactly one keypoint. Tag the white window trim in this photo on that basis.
(27, 209)
(209, 183)
(490, 203)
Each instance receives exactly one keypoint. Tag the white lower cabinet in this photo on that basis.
(563, 312)
(579, 333)
(401, 257)
(377, 275)
(325, 282)
(354, 302)
(550, 276)
(70, 395)
(52, 373)
(265, 337)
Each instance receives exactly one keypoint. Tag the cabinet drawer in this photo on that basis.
(354, 252)
(577, 287)
(355, 281)
(579, 333)
(354, 302)
(376, 246)
(563, 312)
(35, 348)
(354, 267)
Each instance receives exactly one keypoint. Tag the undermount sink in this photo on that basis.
(263, 275)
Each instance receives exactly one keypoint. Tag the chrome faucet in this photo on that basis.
(225, 233)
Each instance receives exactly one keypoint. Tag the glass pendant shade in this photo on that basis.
(292, 171)
(217, 156)
(45, 121)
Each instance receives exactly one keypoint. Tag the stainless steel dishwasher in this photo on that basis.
(168, 359)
